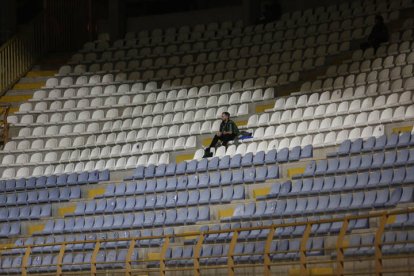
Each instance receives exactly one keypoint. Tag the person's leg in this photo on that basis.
(214, 142)
(226, 138)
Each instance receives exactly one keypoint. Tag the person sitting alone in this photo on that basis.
(228, 132)
(379, 34)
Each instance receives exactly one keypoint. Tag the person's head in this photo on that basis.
(225, 116)
(379, 19)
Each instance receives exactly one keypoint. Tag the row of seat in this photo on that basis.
(394, 243)
(70, 261)
(8, 229)
(379, 63)
(133, 90)
(83, 244)
(232, 52)
(40, 196)
(247, 252)
(319, 140)
(147, 108)
(289, 231)
(353, 80)
(399, 44)
(341, 183)
(120, 163)
(148, 219)
(56, 123)
(190, 182)
(52, 181)
(160, 201)
(214, 178)
(374, 144)
(359, 97)
(119, 150)
(174, 78)
(112, 134)
(322, 204)
(25, 213)
(265, 54)
(335, 122)
(365, 161)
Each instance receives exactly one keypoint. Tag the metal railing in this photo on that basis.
(303, 263)
(4, 125)
(19, 53)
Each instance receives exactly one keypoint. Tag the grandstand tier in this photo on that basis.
(104, 173)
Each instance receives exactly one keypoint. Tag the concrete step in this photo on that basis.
(35, 79)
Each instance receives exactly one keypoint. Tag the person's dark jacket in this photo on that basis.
(229, 126)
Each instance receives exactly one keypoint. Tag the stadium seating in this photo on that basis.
(107, 156)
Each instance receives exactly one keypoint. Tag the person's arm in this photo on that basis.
(230, 130)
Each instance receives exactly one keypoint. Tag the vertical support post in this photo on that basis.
(378, 245)
(93, 258)
(128, 267)
(267, 261)
(302, 253)
(340, 257)
(25, 259)
(60, 259)
(196, 254)
(164, 248)
(230, 254)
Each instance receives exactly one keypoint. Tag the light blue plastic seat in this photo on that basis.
(259, 158)
(261, 174)
(306, 152)
(191, 167)
(380, 142)
(310, 168)
(235, 161)
(362, 180)
(368, 144)
(378, 160)
(202, 165)
(374, 178)
(344, 147)
(119, 189)
(213, 163)
(386, 177)
(271, 157)
(132, 188)
(138, 173)
(226, 178)
(390, 158)
(170, 169)
(402, 157)
(172, 183)
(357, 200)
(247, 160)
(282, 155)
(392, 141)
(181, 168)
(203, 180)
(224, 162)
(205, 196)
(404, 139)
(160, 170)
(356, 146)
(272, 172)
(248, 176)
(193, 197)
(350, 181)
(364, 163)
(295, 154)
